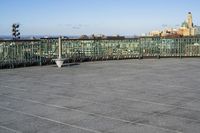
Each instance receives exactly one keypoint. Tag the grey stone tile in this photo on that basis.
(4, 130)
(67, 116)
(99, 108)
(176, 101)
(143, 106)
(9, 116)
(194, 105)
(172, 122)
(135, 128)
(26, 106)
(13, 103)
(49, 99)
(68, 102)
(99, 123)
(31, 125)
(64, 129)
(23, 123)
(185, 113)
(128, 114)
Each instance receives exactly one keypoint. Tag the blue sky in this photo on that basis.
(110, 17)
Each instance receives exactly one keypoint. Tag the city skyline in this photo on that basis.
(109, 17)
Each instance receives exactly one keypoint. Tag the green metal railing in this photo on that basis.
(42, 51)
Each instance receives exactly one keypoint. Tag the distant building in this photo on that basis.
(115, 37)
(100, 36)
(155, 33)
(187, 29)
(84, 37)
(197, 30)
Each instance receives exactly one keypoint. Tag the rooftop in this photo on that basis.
(127, 96)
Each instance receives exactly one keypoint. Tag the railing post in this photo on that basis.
(180, 51)
(140, 49)
(40, 54)
(158, 53)
(60, 48)
(60, 60)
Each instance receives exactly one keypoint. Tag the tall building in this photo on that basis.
(187, 27)
(189, 20)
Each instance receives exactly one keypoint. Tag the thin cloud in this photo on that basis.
(76, 28)
(73, 26)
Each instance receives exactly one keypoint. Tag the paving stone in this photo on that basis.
(172, 122)
(135, 128)
(126, 96)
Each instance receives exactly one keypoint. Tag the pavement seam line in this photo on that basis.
(89, 113)
(44, 118)
(130, 99)
(9, 129)
(26, 91)
(65, 97)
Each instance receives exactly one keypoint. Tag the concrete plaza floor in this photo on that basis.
(128, 96)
